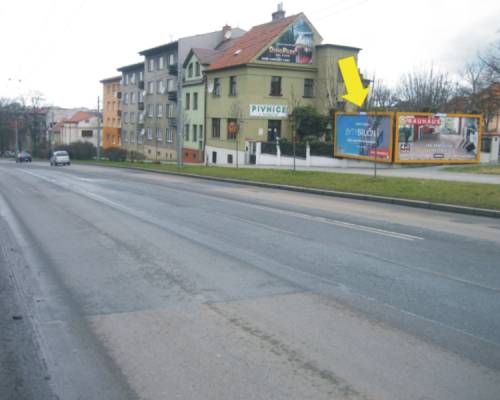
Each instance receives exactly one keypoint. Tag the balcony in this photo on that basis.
(140, 106)
(172, 70)
(141, 85)
(172, 95)
(119, 113)
(119, 95)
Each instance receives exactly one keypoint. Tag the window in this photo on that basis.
(149, 132)
(276, 86)
(190, 70)
(132, 117)
(188, 98)
(132, 98)
(87, 134)
(151, 65)
(229, 158)
(141, 76)
(159, 86)
(273, 130)
(141, 97)
(126, 80)
(232, 86)
(160, 62)
(125, 98)
(197, 69)
(186, 132)
(159, 110)
(125, 117)
(150, 110)
(232, 129)
(170, 135)
(308, 87)
(151, 88)
(171, 59)
(170, 110)
(159, 136)
(486, 144)
(170, 85)
(195, 133)
(216, 87)
(200, 131)
(195, 101)
(132, 78)
(216, 127)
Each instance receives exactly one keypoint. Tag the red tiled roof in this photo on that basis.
(79, 116)
(245, 48)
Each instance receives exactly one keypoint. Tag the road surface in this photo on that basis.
(118, 284)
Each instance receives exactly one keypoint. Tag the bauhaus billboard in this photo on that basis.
(437, 138)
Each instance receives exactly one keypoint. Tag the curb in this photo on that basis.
(484, 212)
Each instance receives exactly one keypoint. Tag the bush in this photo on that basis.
(79, 150)
(115, 154)
(135, 156)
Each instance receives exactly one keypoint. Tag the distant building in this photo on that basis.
(55, 115)
(111, 112)
(81, 127)
(132, 106)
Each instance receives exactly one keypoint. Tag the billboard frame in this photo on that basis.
(437, 161)
(389, 114)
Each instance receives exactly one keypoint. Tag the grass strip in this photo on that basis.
(476, 169)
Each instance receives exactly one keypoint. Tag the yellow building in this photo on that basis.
(111, 112)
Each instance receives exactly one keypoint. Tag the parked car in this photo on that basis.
(23, 157)
(60, 157)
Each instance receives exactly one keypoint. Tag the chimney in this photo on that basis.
(226, 28)
(279, 14)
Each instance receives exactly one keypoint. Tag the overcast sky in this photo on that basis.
(62, 48)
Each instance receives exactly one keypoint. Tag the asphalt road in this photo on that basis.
(140, 285)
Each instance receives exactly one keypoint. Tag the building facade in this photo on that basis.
(131, 114)
(258, 81)
(111, 112)
(81, 127)
(163, 65)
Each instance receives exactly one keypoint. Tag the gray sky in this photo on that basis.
(62, 48)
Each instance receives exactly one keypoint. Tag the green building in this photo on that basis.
(254, 85)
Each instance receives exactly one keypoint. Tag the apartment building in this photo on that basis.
(163, 120)
(131, 113)
(256, 83)
(111, 112)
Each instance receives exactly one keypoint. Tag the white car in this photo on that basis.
(60, 158)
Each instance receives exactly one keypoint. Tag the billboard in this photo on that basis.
(294, 46)
(437, 138)
(364, 136)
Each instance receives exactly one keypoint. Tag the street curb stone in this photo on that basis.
(484, 212)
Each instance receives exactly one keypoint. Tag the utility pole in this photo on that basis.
(98, 129)
(179, 134)
(17, 137)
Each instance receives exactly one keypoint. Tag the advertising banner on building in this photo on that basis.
(293, 46)
(364, 136)
(269, 110)
(437, 138)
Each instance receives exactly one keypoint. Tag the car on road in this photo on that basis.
(23, 156)
(9, 154)
(60, 157)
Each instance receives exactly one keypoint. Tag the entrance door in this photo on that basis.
(273, 130)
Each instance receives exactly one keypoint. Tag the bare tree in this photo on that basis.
(424, 90)
(381, 98)
(491, 61)
(236, 113)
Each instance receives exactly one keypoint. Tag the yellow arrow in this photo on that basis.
(356, 93)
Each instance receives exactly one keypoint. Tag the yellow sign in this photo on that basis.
(356, 93)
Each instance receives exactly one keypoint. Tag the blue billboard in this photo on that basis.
(364, 136)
